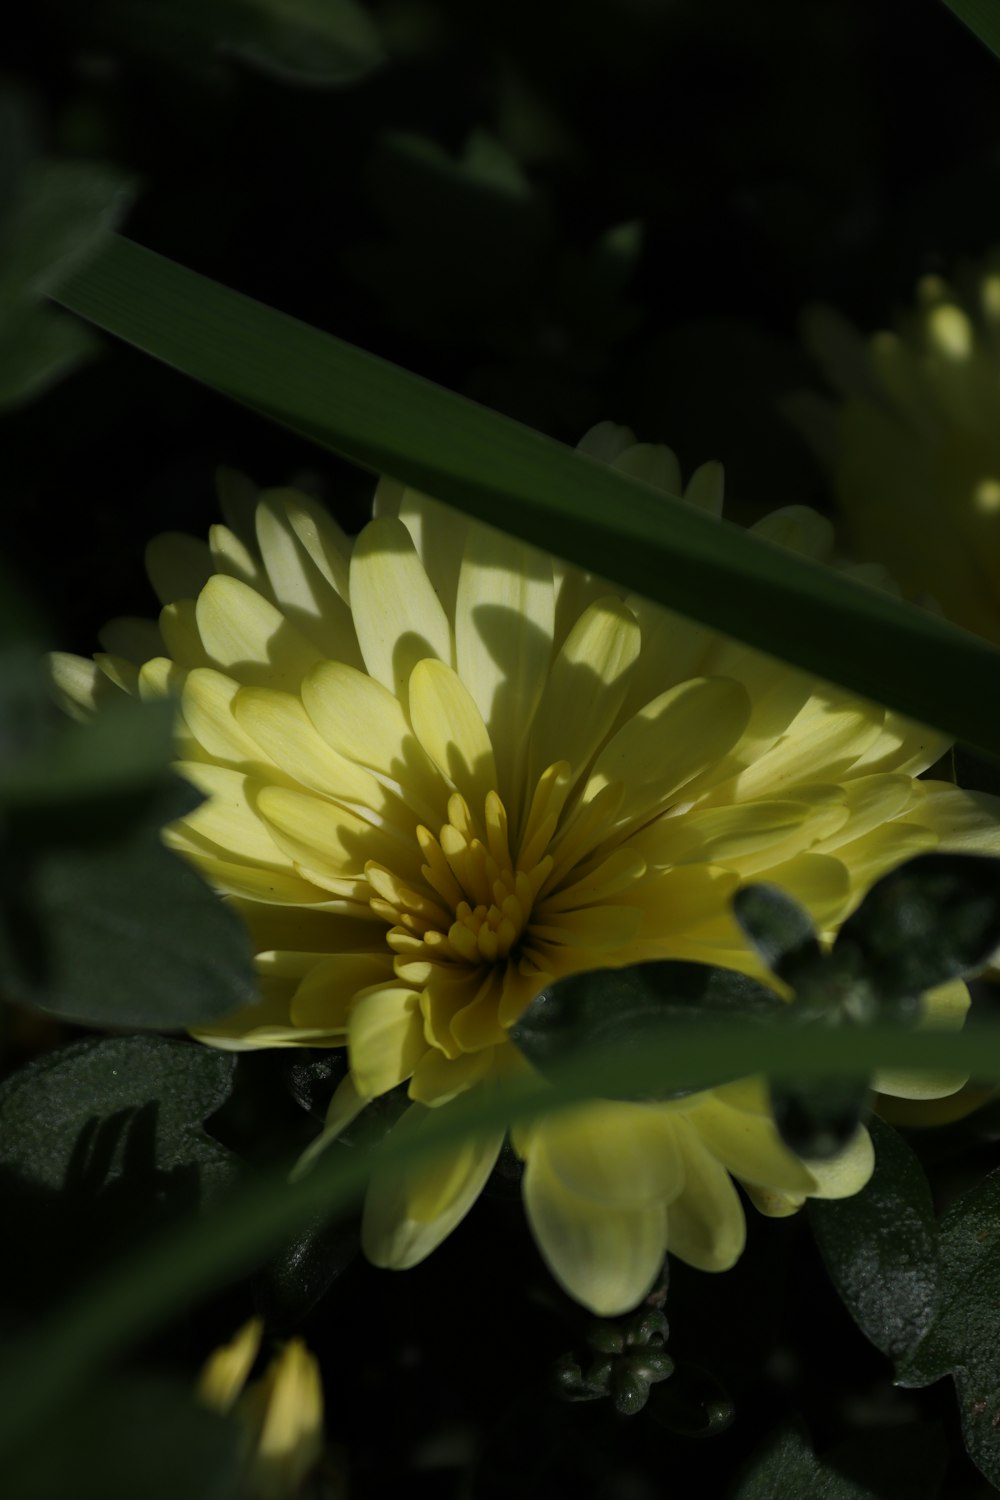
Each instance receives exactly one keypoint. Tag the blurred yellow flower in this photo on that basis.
(282, 1411)
(444, 768)
(913, 441)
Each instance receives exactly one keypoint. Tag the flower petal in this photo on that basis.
(607, 1258)
(619, 1155)
(586, 688)
(706, 1225)
(385, 1037)
(408, 1214)
(448, 724)
(397, 614)
(248, 638)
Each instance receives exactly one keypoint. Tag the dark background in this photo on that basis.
(655, 190)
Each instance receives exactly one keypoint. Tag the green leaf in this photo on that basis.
(935, 918)
(119, 932)
(780, 929)
(982, 19)
(880, 1248)
(817, 1117)
(143, 1436)
(37, 348)
(602, 1007)
(964, 1339)
(889, 1464)
(125, 748)
(101, 1142)
(61, 215)
(393, 422)
(136, 1294)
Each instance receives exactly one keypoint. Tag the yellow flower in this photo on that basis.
(913, 444)
(444, 769)
(282, 1411)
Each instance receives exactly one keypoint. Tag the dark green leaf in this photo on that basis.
(304, 1270)
(142, 1437)
(899, 1463)
(780, 929)
(100, 1142)
(126, 747)
(817, 1117)
(935, 918)
(37, 348)
(982, 18)
(119, 933)
(60, 216)
(880, 1247)
(614, 1007)
(396, 423)
(964, 1339)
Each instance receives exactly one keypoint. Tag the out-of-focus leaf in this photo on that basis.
(143, 1436)
(780, 929)
(933, 919)
(964, 1339)
(817, 1117)
(891, 1464)
(507, 475)
(319, 42)
(617, 1007)
(982, 18)
(880, 1247)
(101, 1142)
(119, 932)
(53, 216)
(38, 348)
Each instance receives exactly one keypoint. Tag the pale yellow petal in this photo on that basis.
(669, 742)
(606, 1258)
(300, 588)
(227, 818)
(438, 1079)
(438, 532)
(277, 724)
(505, 617)
(181, 639)
(207, 701)
(965, 822)
(586, 688)
(249, 638)
(225, 1373)
(231, 556)
(397, 614)
(847, 1173)
(448, 724)
(364, 722)
(618, 1154)
(946, 1005)
(825, 739)
(81, 688)
(326, 543)
(408, 1214)
(706, 1226)
(747, 1145)
(324, 997)
(330, 842)
(385, 1037)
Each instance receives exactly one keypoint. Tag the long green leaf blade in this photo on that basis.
(981, 17)
(194, 1260)
(396, 423)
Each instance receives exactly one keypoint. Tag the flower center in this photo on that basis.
(475, 900)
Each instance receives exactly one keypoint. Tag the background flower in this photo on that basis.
(443, 769)
(912, 442)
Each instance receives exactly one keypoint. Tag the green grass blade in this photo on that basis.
(196, 1258)
(397, 423)
(981, 17)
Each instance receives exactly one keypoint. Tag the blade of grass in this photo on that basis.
(196, 1258)
(982, 17)
(396, 423)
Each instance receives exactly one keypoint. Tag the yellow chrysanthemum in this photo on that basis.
(914, 444)
(444, 768)
(282, 1411)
